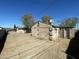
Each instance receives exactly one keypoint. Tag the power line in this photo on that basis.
(45, 9)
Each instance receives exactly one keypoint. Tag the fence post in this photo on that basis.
(38, 29)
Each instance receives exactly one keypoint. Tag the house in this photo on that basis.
(64, 32)
(40, 30)
(45, 31)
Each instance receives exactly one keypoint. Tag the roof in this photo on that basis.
(60, 27)
(46, 25)
(41, 25)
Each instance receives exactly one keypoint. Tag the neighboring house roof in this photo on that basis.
(60, 27)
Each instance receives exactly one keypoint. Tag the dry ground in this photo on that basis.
(24, 46)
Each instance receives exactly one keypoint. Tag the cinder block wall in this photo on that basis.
(55, 33)
(72, 33)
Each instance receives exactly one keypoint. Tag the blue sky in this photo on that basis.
(11, 11)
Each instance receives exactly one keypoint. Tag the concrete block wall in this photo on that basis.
(72, 33)
(55, 33)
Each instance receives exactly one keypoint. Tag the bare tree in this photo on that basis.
(69, 22)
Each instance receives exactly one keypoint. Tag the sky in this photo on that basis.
(11, 11)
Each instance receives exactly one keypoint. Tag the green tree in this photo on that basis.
(46, 19)
(28, 20)
(69, 22)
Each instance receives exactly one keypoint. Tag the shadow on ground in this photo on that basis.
(3, 36)
(73, 48)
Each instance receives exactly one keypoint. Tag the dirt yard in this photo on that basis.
(24, 46)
